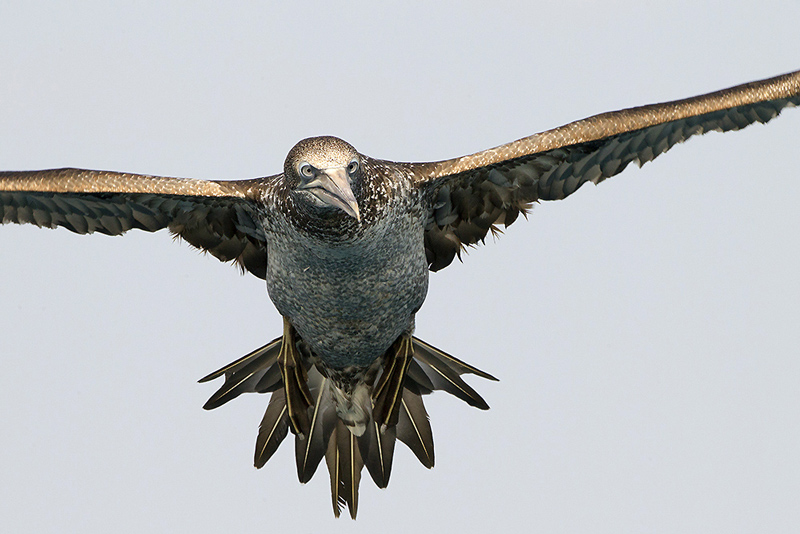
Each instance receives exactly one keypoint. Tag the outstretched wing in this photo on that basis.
(476, 193)
(219, 217)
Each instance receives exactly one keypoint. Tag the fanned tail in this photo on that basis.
(346, 453)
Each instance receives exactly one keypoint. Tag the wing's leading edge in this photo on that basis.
(477, 193)
(219, 217)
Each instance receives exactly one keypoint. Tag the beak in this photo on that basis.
(332, 186)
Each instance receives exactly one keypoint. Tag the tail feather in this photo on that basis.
(273, 429)
(445, 378)
(423, 350)
(258, 354)
(344, 466)
(253, 372)
(322, 416)
(270, 380)
(377, 450)
(346, 454)
(417, 376)
(414, 428)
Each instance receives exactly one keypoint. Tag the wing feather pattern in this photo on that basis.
(218, 217)
(476, 194)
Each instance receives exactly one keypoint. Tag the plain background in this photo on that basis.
(645, 331)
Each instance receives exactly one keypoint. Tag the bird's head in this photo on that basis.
(323, 173)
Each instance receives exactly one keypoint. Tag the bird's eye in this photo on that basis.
(352, 167)
(306, 170)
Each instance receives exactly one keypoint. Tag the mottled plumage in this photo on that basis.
(345, 243)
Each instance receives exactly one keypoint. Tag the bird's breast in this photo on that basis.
(350, 300)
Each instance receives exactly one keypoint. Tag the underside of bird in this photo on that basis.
(352, 419)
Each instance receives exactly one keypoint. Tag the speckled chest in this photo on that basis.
(350, 298)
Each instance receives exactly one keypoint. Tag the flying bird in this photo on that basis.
(345, 243)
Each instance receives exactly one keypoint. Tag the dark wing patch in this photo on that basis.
(476, 194)
(218, 217)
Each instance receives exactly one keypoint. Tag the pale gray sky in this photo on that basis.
(645, 331)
